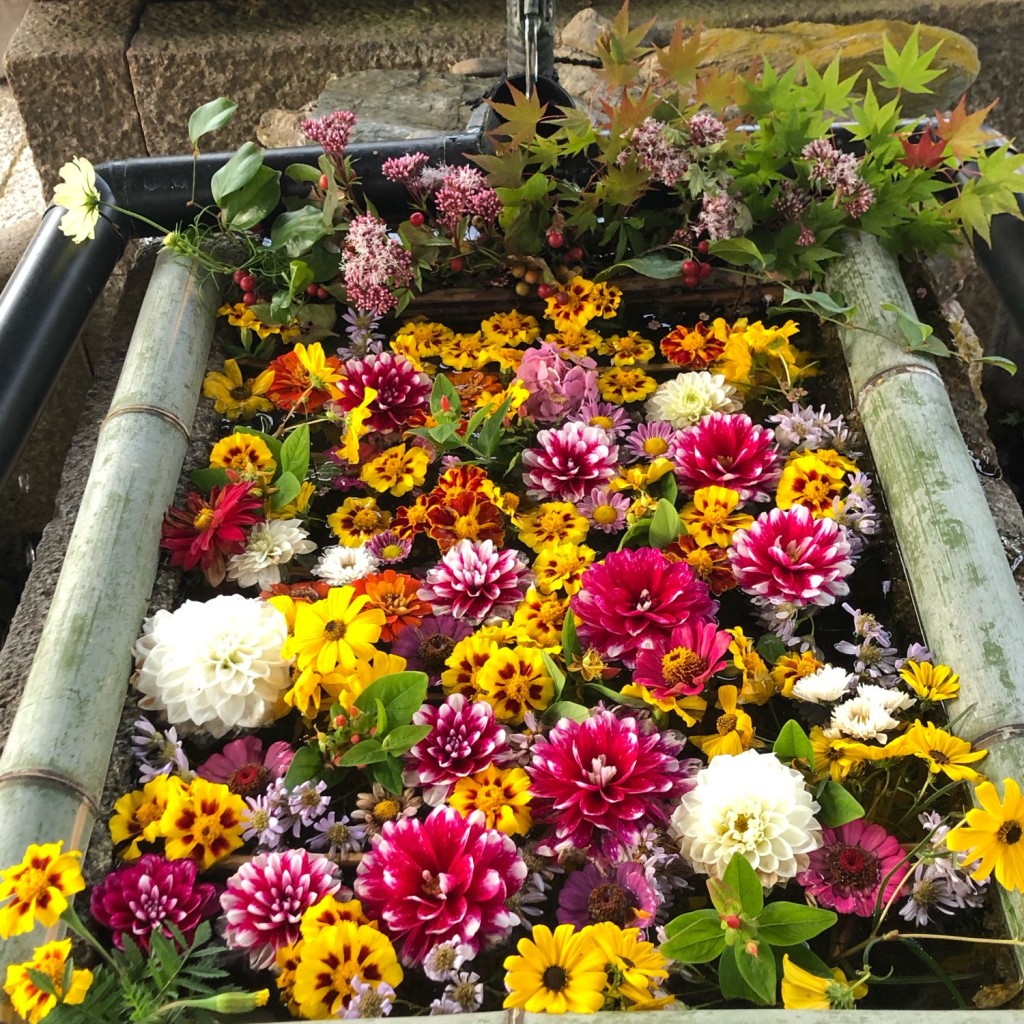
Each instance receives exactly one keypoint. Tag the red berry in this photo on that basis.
(457, 264)
(545, 291)
(574, 255)
(705, 269)
(417, 219)
(731, 920)
(556, 239)
(237, 276)
(322, 292)
(324, 182)
(690, 268)
(703, 247)
(247, 283)
(250, 298)
(691, 282)
(313, 290)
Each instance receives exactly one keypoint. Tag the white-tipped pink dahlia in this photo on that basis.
(401, 389)
(569, 461)
(789, 556)
(443, 879)
(601, 780)
(476, 579)
(727, 450)
(265, 898)
(465, 738)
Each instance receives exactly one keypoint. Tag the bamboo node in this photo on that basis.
(153, 410)
(882, 376)
(58, 779)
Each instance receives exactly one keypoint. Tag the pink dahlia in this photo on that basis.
(245, 767)
(476, 579)
(599, 892)
(265, 898)
(855, 863)
(402, 391)
(601, 780)
(150, 894)
(727, 450)
(635, 598)
(443, 879)
(465, 738)
(569, 461)
(789, 556)
(681, 664)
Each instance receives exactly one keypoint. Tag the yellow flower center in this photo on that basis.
(466, 527)
(740, 823)
(203, 519)
(365, 519)
(816, 491)
(552, 523)
(517, 688)
(605, 422)
(490, 799)
(681, 665)
(605, 514)
(1010, 832)
(725, 725)
(207, 832)
(387, 810)
(700, 562)
(148, 813)
(655, 446)
(715, 515)
(392, 551)
(30, 885)
(334, 631)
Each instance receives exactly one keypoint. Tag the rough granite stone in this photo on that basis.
(67, 70)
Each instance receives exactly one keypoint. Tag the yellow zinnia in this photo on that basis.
(78, 194)
(992, 835)
(33, 1003)
(503, 795)
(556, 972)
(734, 729)
(802, 990)
(335, 631)
(38, 888)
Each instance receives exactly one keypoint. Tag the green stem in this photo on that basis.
(75, 924)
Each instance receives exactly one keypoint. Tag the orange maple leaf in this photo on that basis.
(964, 132)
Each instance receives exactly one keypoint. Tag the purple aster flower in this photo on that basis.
(268, 817)
(369, 1000)
(652, 440)
(156, 752)
(388, 548)
(363, 337)
(306, 803)
(599, 892)
(428, 646)
(606, 509)
(466, 991)
(445, 959)
(337, 837)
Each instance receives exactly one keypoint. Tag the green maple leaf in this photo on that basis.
(520, 117)
(505, 171)
(826, 91)
(907, 69)
(620, 50)
(680, 59)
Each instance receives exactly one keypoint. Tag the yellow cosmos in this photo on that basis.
(556, 972)
(758, 684)
(502, 794)
(930, 682)
(235, 397)
(736, 362)
(244, 455)
(711, 518)
(202, 821)
(943, 751)
(790, 668)
(992, 834)
(837, 757)
(515, 681)
(80, 196)
(691, 709)
(553, 522)
(38, 888)
(734, 730)
(397, 470)
(622, 384)
(561, 567)
(31, 1002)
(335, 632)
(802, 990)
(137, 815)
(355, 427)
(633, 966)
(640, 476)
(357, 520)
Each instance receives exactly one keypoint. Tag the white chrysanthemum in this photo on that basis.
(751, 804)
(269, 546)
(862, 717)
(690, 397)
(339, 566)
(828, 684)
(892, 700)
(214, 664)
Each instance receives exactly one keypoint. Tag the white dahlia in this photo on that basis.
(269, 546)
(214, 664)
(339, 566)
(750, 804)
(689, 397)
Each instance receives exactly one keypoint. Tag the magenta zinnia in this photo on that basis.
(635, 598)
(151, 894)
(476, 579)
(465, 738)
(855, 862)
(264, 900)
(443, 879)
(568, 462)
(727, 450)
(601, 780)
(681, 665)
(402, 391)
(789, 556)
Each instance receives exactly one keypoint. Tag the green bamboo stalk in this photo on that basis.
(55, 761)
(966, 598)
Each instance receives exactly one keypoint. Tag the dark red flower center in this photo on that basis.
(610, 902)
(852, 867)
(248, 779)
(554, 978)
(1010, 832)
(435, 649)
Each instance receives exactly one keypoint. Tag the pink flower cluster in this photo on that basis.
(836, 173)
(331, 131)
(663, 160)
(375, 265)
(463, 193)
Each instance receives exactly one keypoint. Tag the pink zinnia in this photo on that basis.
(601, 780)
(789, 556)
(727, 450)
(402, 391)
(637, 597)
(445, 879)
(569, 461)
(151, 894)
(474, 580)
(855, 862)
(265, 899)
(681, 665)
(465, 738)
(245, 767)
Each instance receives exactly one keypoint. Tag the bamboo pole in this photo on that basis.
(965, 595)
(54, 765)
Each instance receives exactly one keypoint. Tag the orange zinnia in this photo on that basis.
(395, 594)
(305, 378)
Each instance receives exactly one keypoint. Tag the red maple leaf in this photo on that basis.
(928, 151)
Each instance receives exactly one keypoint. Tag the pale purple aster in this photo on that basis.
(389, 541)
(336, 837)
(369, 1001)
(306, 803)
(157, 752)
(611, 418)
(800, 428)
(916, 652)
(930, 892)
(871, 659)
(268, 818)
(363, 336)
(331, 131)
(475, 580)
(659, 434)
(441, 1007)
(445, 959)
(598, 507)
(568, 461)
(466, 991)
(428, 646)
(529, 902)
(622, 894)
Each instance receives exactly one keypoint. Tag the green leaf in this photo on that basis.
(758, 972)
(207, 479)
(246, 207)
(770, 647)
(654, 265)
(742, 879)
(209, 117)
(565, 709)
(444, 388)
(300, 277)
(731, 982)
(785, 924)
(740, 252)
(694, 938)
(296, 231)
(837, 806)
(918, 335)
(287, 489)
(638, 531)
(557, 675)
(571, 648)
(606, 691)
(303, 172)
(382, 719)
(295, 452)
(815, 302)
(493, 428)
(305, 765)
(908, 69)
(404, 738)
(401, 693)
(665, 524)
(670, 491)
(389, 774)
(237, 172)
(793, 744)
(367, 752)
(1004, 364)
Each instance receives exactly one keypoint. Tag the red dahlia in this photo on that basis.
(402, 391)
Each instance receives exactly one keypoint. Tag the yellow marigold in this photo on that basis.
(137, 815)
(515, 681)
(33, 1003)
(943, 751)
(465, 351)
(711, 518)
(397, 470)
(244, 455)
(357, 520)
(930, 682)
(628, 349)
(506, 357)
(236, 397)
(38, 888)
(328, 911)
(574, 339)
(734, 730)
(810, 481)
(468, 657)
(802, 990)
(572, 304)
(503, 794)
(561, 567)
(511, 328)
(540, 617)
(758, 684)
(336, 631)
(501, 632)
(605, 298)
(622, 384)
(790, 668)
(425, 337)
(634, 967)
(202, 821)
(991, 834)
(553, 522)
